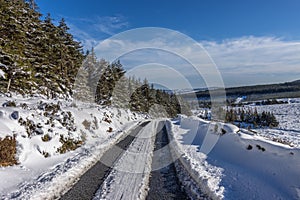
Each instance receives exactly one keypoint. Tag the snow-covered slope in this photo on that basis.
(47, 161)
(239, 166)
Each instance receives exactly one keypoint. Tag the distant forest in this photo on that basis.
(256, 92)
(251, 116)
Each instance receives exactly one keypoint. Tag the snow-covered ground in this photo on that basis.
(42, 171)
(240, 165)
(234, 165)
(288, 116)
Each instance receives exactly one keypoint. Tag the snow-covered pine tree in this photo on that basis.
(70, 57)
(82, 90)
(110, 76)
(32, 4)
(31, 52)
(17, 20)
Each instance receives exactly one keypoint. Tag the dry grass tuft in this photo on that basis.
(46, 138)
(110, 129)
(86, 124)
(68, 145)
(8, 150)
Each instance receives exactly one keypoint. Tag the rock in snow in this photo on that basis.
(15, 115)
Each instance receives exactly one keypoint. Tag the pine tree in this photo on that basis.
(68, 57)
(82, 89)
(31, 51)
(110, 76)
(32, 5)
(46, 75)
(19, 22)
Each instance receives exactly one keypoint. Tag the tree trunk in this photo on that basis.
(8, 85)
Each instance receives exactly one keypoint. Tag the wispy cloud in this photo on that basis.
(110, 24)
(84, 37)
(252, 60)
(90, 31)
(241, 61)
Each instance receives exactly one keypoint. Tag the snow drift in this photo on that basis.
(239, 166)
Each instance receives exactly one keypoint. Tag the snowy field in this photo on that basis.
(236, 165)
(288, 116)
(42, 171)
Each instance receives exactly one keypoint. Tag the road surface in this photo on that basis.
(164, 183)
(90, 182)
(131, 169)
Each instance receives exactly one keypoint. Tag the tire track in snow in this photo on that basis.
(130, 176)
(90, 182)
(164, 183)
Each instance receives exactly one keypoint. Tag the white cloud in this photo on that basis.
(163, 46)
(263, 54)
(86, 40)
(110, 24)
(160, 74)
(252, 60)
(241, 61)
(90, 31)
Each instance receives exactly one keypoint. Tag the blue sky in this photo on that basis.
(250, 41)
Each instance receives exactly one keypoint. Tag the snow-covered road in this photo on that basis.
(131, 169)
(89, 182)
(164, 182)
(130, 174)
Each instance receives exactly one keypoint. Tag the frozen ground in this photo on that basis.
(240, 165)
(44, 177)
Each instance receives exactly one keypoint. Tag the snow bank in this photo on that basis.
(240, 166)
(200, 179)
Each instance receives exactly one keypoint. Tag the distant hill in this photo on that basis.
(257, 92)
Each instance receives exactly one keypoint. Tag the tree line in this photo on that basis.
(35, 55)
(251, 116)
(106, 84)
(38, 57)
